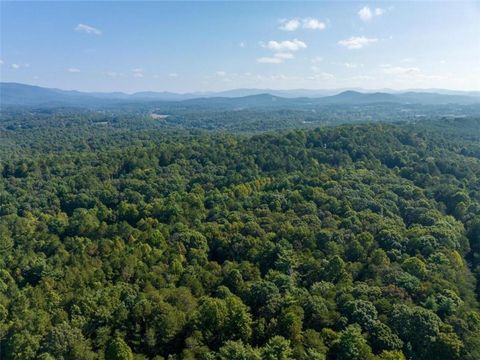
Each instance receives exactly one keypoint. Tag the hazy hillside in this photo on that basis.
(13, 94)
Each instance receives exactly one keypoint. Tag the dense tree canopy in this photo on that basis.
(347, 243)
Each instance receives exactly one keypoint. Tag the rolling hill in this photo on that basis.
(15, 94)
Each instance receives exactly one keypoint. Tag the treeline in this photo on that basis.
(347, 243)
(20, 121)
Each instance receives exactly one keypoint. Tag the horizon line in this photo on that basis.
(359, 89)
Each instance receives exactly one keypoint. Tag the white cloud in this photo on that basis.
(362, 77)
(313, 24)
(366, 14)
(290, 25)
(412, 75)
(357, 42)
(15, 66)
(307, 23)
(321, 75)
(73, 70)
(282, 50)
(138, 73)
(286, 45)
(221, 73)
(316, 59)
(270, 60)
(242, 44)
(87, 29)
(400, 70)
(327, 76)
(173, 75)
(1, 62)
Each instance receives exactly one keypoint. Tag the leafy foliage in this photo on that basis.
(353, 242)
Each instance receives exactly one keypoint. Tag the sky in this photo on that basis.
(211, 46)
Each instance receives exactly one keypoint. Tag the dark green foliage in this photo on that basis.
(351, 346)
(355, 242)
(117, 349)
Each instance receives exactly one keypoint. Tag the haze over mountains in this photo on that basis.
(16, 94)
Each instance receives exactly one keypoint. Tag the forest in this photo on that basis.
(126, 238)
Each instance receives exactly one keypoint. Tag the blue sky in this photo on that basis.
(205, 46)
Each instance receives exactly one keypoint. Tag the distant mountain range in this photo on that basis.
(15, 94)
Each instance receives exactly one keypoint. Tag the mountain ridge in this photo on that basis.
(17, 94)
